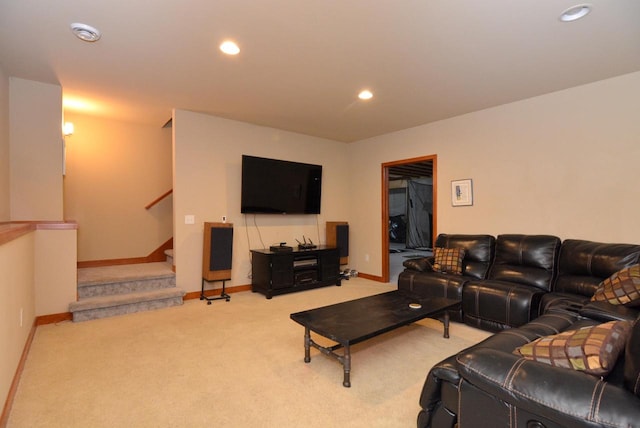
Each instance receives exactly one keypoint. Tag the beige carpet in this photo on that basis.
(231, 364)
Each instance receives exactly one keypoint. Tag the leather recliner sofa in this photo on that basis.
(472, 388)
(479, 253)
(502, 281)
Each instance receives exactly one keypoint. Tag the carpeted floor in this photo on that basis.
(231, 364)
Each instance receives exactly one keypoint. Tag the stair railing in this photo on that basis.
(158, 199)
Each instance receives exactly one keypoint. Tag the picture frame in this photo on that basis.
(462, 192)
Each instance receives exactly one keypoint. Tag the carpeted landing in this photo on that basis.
(230, 364)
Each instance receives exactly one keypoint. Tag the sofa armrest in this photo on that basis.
(605, 311)
(558, 394)
(439, 397)
(444, 371)
(432, 284)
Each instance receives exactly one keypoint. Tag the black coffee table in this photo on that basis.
(357, 320)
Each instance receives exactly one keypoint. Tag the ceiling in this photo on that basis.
(302, 62)
(406, 171)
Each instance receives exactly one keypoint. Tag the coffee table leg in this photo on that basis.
(347, 367)
(307, 345)
(446, 324)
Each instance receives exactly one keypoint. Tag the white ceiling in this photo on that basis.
(302, 62)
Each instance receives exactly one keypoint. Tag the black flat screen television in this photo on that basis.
(272, 186)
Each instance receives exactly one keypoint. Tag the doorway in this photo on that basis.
(409, 189)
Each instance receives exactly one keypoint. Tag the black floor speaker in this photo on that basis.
(217, 251)
(338, 236)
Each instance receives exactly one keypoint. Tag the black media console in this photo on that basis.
(280, 272)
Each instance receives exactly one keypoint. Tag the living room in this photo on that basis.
(559, 163)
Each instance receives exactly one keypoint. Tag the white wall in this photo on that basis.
(4, 147)
(207, 175)
(35, 118)
(565, 164)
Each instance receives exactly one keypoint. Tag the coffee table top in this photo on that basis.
(356, 320)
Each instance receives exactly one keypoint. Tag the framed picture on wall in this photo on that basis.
(461, 192)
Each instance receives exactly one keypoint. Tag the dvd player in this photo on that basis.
(280, 248)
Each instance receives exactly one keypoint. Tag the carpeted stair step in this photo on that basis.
(169, 254)
(125, 286)
(119, 304)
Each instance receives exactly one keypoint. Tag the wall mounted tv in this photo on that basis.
(272, 186)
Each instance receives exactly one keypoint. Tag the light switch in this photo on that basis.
(190, 219)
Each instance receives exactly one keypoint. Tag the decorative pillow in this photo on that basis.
(621, 288)
(593, 350)
(420, 264)
(448, 260)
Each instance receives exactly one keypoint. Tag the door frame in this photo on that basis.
(385, 205)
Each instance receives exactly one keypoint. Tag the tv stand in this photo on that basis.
(300, 269)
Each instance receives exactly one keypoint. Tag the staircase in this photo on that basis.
(124, 289)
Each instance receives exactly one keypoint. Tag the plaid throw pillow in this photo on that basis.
(448, 260)
(621, 288)
(592, 350)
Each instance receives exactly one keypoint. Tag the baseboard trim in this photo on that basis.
(54, 318)
(4, 418)
(156, 256)
(371, 277)
(216, 292)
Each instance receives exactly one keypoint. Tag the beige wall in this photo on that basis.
(5, 213)
(17, 304)
(563, 163)
(207, 162)
(55, 270)
(35, 119)
(113, 170)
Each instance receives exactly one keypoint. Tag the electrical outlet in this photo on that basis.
(366, 257)
(224, 218)
(190, 219)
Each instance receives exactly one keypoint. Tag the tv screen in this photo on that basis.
(272, 186)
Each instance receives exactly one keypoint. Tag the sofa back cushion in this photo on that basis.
(479, 251)
(526, 259)
(583, 265)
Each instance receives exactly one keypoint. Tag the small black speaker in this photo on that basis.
(338, 236)
(217, 251)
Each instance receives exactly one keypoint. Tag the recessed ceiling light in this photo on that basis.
(230, 48)
(365, 95)
(85, 32)
(575, 12)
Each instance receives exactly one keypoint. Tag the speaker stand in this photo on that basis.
(223, 294)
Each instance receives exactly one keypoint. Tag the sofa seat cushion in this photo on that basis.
(621, 288)
(593, 350)
(496, 305)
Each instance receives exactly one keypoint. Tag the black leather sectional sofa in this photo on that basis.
(527, 287)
